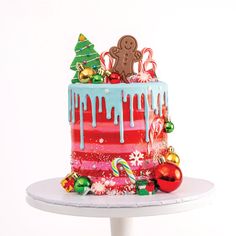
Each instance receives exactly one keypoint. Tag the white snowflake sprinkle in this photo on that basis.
(135, 158)
(101, 140)
(107, 91)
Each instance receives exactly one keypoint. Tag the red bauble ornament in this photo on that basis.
(115, 78)
(168, 176)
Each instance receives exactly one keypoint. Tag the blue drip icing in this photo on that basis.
(81, 124)
(69, 104)
(114, 96)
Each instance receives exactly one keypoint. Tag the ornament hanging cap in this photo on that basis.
(79, 66)
(161, 160)
(171, 149)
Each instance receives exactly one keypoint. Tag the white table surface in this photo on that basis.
(48, 195)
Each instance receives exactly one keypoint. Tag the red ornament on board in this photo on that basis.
(115, 78)
(168, 176)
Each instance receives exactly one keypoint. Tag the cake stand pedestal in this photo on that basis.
(48, 195)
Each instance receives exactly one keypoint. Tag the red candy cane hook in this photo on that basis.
(149, 58)
(145, 65)
(103, 62)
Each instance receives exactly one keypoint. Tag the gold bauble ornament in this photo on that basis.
(85, 75)
(171, 156)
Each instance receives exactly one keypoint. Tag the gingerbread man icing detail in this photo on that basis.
(125, 55)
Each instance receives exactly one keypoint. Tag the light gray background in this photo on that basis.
(194, 46)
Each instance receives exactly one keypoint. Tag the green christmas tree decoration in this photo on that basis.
(86, 55)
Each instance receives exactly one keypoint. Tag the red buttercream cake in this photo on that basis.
(119, 123)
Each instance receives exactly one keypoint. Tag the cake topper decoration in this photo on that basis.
(86, 56)
(125, 55)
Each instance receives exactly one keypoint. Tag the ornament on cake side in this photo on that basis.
(168, 175)
(125, 55)
(86, 56)
(169, 126)
(171, 156)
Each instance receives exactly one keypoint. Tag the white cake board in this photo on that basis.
(48, 195)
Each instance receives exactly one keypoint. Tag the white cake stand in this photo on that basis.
(48, 195)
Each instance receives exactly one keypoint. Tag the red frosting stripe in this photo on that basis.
(113, 137)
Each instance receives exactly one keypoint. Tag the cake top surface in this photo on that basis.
(149, 85)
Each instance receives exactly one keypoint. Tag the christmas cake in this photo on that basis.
(119, 123)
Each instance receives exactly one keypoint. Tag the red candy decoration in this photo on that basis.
(169, 176)
(115, 78)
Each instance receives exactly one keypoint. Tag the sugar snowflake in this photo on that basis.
(136, 158)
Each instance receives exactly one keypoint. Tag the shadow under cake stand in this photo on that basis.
(48, 195)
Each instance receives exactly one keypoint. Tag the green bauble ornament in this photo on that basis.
(82, 185)
(169, 127)
(97, 79)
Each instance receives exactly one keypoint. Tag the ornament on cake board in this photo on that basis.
(82, 185)
(85, 55)
(168, 175)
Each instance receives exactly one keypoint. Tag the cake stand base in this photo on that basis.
(121, 226)
(48, 195)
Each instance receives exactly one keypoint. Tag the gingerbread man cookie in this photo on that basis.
(125, 55)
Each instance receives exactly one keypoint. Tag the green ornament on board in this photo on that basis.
(82, 185)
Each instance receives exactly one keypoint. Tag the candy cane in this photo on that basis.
(149, 58)
(103, 62)
(154, 65)
(126, 166)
